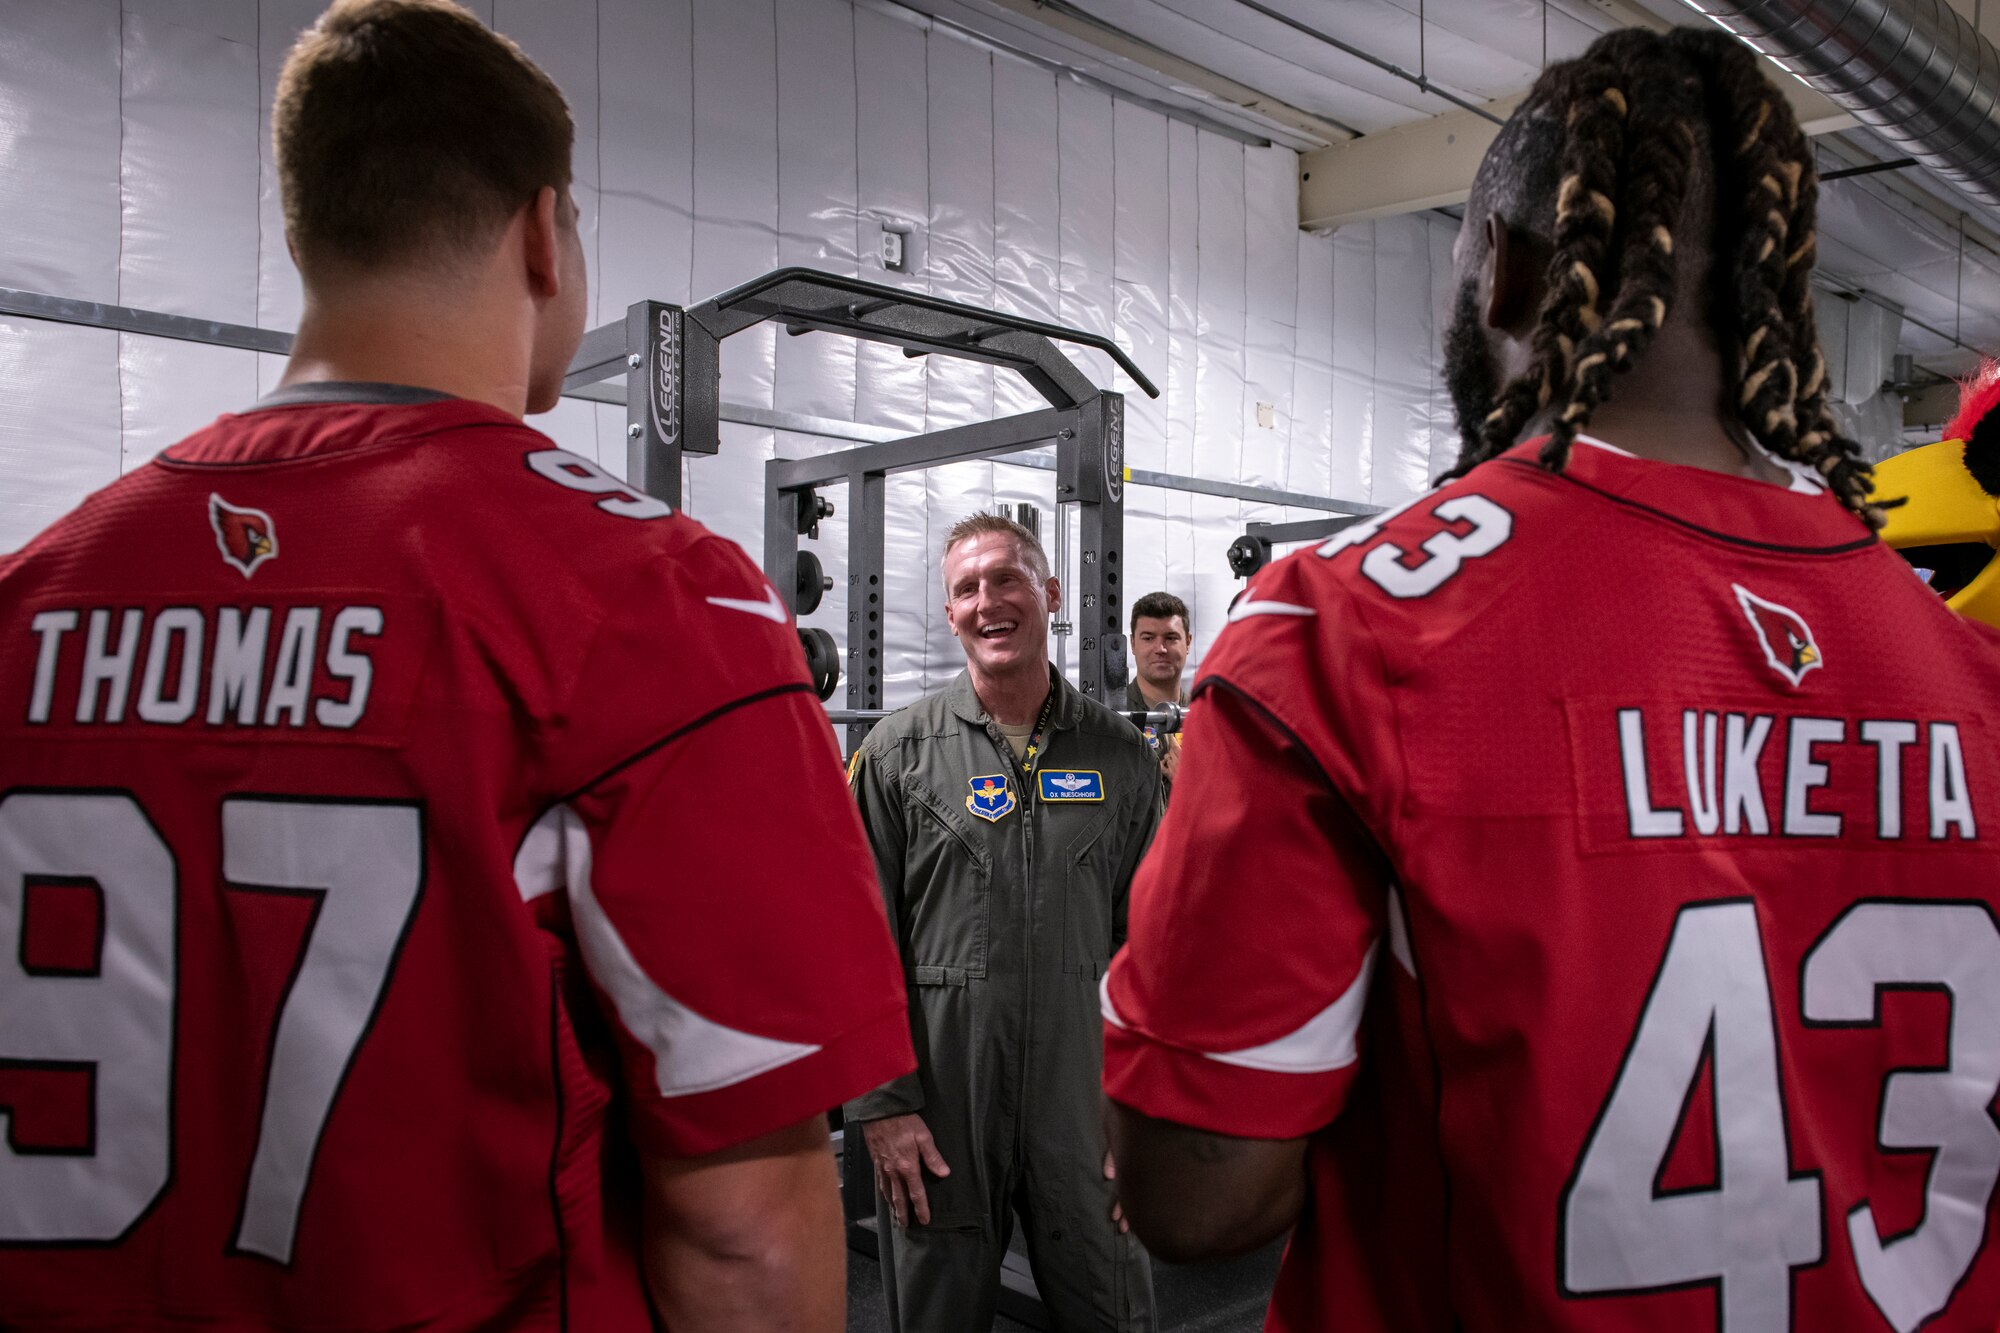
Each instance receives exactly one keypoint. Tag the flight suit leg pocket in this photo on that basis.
(941, 1001)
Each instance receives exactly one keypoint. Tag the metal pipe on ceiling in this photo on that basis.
(1914, 71)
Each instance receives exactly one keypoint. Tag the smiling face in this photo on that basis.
(998, 603)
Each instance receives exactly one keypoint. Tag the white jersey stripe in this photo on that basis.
(691, 1053)
(1326, 1040)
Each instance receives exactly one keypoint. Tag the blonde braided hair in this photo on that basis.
(1640, 114)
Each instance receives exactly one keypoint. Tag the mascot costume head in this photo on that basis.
(1948, 521)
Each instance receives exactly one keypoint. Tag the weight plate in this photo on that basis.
(811, 583)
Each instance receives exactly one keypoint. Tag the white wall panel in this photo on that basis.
(1183, 290)
(59, 130)
(736, 172)
(59, 423)
(1083, 156)
(230, 20)
(1219, 305)
(188, 175)
(818, 197)
(562, 39)
(718, 139)
(1271, 295)
(645, 239)
(736, 237)
(279, 23)
(1442, 425)
(1182, 548)
(1310, 461)
(1027, 203)
(1141, 276)
(892, 109)
(1142, 272)
(172, 389)
(59, 213)
(1351, 448)
(958, 259)
(1405, 352)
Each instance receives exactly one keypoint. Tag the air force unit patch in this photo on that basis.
(992, 799)
(1061, 784)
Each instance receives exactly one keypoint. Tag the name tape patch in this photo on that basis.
(1071, 784)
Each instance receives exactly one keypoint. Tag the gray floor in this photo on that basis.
(1213, 1298)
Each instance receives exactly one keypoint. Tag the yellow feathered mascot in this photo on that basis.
(1950, 524)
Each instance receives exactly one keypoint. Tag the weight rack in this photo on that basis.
(1086, 424)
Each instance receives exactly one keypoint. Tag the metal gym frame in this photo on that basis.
(1085, 423)
(1252, 551)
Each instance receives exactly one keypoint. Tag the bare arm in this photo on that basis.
(748, 1240)
(1192, 1195)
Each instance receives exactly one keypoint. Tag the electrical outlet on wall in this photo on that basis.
(895, 248)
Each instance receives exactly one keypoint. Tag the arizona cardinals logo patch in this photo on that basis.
(246, 537)
(1785, 637)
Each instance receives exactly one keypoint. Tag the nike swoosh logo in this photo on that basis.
(770, 608)
(1248, 607)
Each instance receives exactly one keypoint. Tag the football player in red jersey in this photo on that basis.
(1576, 911)
(403, 921)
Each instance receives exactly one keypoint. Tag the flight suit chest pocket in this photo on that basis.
(1090, 862)
(947, 889)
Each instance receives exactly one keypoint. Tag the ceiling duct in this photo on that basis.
(1913, 71)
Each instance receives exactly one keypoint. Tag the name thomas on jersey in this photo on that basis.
(228, 666)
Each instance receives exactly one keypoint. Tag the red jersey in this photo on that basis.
(398, 817)
(1601, 870)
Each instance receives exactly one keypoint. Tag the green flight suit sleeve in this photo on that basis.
(881, 806)
(1152, 806)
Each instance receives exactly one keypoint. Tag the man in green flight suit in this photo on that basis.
(1007, 814)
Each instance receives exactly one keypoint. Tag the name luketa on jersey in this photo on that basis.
(1727, 791)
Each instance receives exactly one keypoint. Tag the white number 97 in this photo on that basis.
(362, 860)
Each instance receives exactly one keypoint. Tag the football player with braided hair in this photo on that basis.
(1665, 192)
(1579, 907)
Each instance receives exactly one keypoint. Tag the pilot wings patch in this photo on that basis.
(1069, 784)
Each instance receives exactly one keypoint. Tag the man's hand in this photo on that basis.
(901, 1147)
(1170, 757)
(1117, 1212)
(1197, 1196)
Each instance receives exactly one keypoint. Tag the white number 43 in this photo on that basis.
(1711, 1002)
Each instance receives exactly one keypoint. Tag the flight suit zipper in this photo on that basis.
(1038, 741)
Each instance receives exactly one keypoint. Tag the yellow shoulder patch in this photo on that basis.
(854, 766)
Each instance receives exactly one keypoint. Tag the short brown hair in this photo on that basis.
(406, 131)
(981, 523)
(1161, 606)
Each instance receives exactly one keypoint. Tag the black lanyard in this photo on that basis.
(1033, 753)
